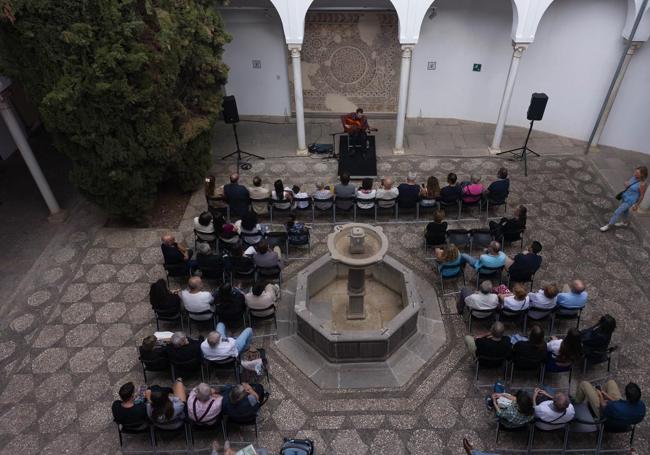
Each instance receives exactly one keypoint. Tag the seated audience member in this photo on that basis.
(492, 344)
(300, 195)
(249, 227)
(281, 196)
(532, 349)
(409, 192)
(517, 300)
(128, 410)
(525, 264)
(609, 403)
(472, 193)
(218, 346)
(469, 449)
(204, 404)
(152, 352)
(483, 299)
(197, 300)
(499, 189)
(544, 299)
(510, 228)
(231, 304)
(430, 192)
(205, 259)
(365, 192)
(182, 349)
(452, 192)
(265, 257)
(573, 297)
(565, 351)
(493, 257)
(162, 299)
(204, 227)
(387, 193)
(215, 196)
(297, 232)
(167, 410)
(552, 409)
(514, 410)
(242, 401)
(261, 297)
(344, 189)
(324, 194)
(258, 192)
(595, 340)
(237, 196)
(173, 253)
(450, 257)
(238, 262)
(225, 231)
(436, 231)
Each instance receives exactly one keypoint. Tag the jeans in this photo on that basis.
(243, 341)
(469, 259)
(622, 210)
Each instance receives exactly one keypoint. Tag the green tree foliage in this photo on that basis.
(129, 89)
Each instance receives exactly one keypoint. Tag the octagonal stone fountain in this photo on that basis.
(360, 318)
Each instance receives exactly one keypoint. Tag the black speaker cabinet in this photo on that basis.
(537, 106)
(230, 113)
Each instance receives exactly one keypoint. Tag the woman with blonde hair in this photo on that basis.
(630, 198)
(449, 260)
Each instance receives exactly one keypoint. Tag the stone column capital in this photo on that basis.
(5, 97)
(636, 45)
(518, 49)
(295, 50)
(407, 50)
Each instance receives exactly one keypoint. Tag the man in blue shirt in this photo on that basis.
(493, 257)
(237, 196)
(574, 297)
(498, 190)
(525, 264)
(409, 192)
(607, 402)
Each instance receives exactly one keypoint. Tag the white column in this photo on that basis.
(407, 53)
(609, 103)
(9, 116)
(518, 50)
(297, 90)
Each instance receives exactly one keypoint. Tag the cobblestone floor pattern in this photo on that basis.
(71, 341)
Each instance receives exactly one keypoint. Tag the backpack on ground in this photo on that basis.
(297, 447)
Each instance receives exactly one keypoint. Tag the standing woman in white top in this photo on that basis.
(281, 197)
(365, 191)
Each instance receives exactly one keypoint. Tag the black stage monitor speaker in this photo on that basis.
(537, 106)
(230, 113)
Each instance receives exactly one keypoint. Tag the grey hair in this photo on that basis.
(486, 287)
(203, 392)
(204, 248)
(214, 338)
(178, 339)
(237, 393)
(497, 329)
(475, 178)
(411, 176)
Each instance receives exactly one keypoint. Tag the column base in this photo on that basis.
(58, 217)
(398, 151)
(494, 150)
(302, 152)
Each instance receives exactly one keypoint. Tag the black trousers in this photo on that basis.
(357, 141)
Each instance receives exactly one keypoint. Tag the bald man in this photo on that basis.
(237, 196)
(555, 409)
(387, 193)
(195, 299)
(573, 296)
(173, 253)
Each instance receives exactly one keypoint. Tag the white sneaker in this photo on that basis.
(604, 228)
(621, 224)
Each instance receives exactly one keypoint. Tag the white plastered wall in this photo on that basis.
(257, 35)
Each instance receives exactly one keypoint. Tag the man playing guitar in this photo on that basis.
(356, 125)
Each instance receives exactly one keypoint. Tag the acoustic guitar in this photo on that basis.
(352, 125)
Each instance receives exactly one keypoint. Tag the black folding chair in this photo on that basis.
(458, 237)
(225, 364)
(269, 274)
(156, 365)
(322, 205)
(425, 205)
(489, 273)
(482, 315)
(446, 205)
(169, 316)
(190, 366)
(251, 239)
(200, 317)
(279, 239)
(139, 428)
(386, 204)
(344, 205)
(368, 210)
(180, 270)
(480, 238)
(263, 314)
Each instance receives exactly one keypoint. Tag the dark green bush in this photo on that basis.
(128, 89)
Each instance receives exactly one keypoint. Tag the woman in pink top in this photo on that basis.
(472, 192)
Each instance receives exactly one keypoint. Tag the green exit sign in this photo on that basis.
(477, 67)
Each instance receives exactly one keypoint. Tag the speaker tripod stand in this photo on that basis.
(239, 152)
(521, 153)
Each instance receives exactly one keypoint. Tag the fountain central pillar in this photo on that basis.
(356, 293)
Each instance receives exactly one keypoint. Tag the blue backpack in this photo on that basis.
(297, 447)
